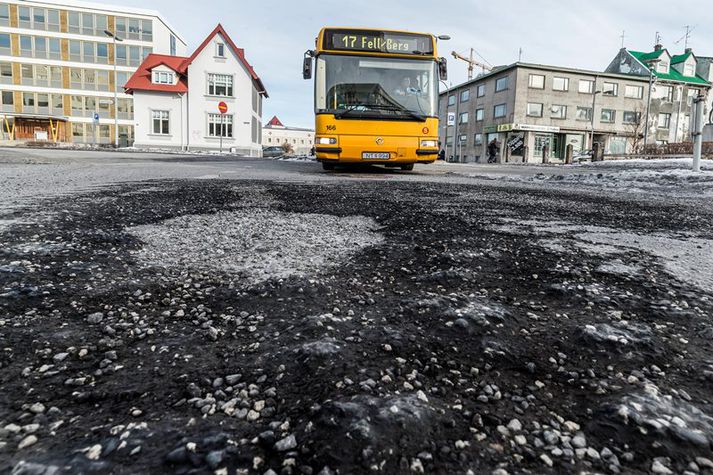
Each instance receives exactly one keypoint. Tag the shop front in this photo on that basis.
(32, 128)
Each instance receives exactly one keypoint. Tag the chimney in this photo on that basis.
(689, 50)
(658, 47)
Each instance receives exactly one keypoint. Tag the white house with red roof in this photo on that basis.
(276, 134)
(176, 100)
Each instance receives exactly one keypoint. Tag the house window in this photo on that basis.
(479, 115)
(173, 45)
(463, 118)
(480, 91)
(500, 110)
(689, 70)
(662, 67)
(584, 113)
(664, 120)
(586, 86)
(667, 93)
(160, 122)
(465, 95)
(634, 92)
(537, 81)
(5, 44)
(220, 85)
(560, 84)
(451, 100)
(220, 50)
(558, 112)
(4, 14)
(163, 77)
(610, 89)
(608, 116)
(75, 25)
(220, 125)
(501, 84)
(534, 110)
(478, 139)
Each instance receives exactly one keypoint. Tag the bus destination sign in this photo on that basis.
(378, 42)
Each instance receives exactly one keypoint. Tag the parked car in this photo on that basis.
(582, 156)
(273, 152)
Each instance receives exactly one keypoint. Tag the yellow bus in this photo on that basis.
(375, 96)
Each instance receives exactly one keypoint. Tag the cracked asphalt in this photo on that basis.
(175, 314)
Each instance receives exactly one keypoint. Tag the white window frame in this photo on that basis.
(614, 92)
(163, 77)
(219, 49)
(587, 90)
(565, 84)
(628, 91)
(215, 80)
(503, 107)
(224, 119)
(562, 108)
(161, 116)
(666, 120)
(532, 84)
(530, 112)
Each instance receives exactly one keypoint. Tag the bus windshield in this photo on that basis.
(376, 87)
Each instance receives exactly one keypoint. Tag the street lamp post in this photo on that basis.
(594, 105)
(651, 64)
(116, 102)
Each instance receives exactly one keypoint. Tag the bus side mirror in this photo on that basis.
(307, 66)
(442, 69)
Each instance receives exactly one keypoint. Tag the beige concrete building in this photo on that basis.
(60, 71)
(533, 111)
(275, 134)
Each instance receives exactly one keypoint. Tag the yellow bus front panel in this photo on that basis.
(369, 141)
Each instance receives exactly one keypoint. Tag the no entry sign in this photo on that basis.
(222, 107)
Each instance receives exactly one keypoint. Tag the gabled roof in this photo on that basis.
(239, 52)
(672, 75)
(141, 80)
(274, 122)
(682, 57)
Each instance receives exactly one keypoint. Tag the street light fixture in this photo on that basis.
(116, 104)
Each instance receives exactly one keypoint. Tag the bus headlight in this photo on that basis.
(326, 141)
(429, 144)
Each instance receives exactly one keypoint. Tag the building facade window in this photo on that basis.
(478, 139)
(534, 109)
(502, 84)
(662, 67)
(480, 90)
(634, 92)
(220, 85)
(463, 118)
(90, 24)
(479, 115)
(4, 14)
(536, 81)
(631, 117)
(500, 110)
(5, 73)
(160, 125)
(558, 112)
(7, 101)
(689, 70)
(220, 50)
(664, 120)
(584, 113)
(465, 95)
(220, 125)
(163, 77)
(5, 48)
(608, 116)
(667, 92)
(586, 86)
(451, 100)
(560, 84)
(610, 89)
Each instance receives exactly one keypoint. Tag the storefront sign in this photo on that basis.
(491, 129)
(537, 128)
(515, 143)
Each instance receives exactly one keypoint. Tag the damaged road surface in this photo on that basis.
(228, 326)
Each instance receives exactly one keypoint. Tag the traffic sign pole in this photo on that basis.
(223, 109)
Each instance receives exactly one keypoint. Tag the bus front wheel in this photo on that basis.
(407, 168)
(328, 166)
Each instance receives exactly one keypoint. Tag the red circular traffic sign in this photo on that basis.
(222, 107)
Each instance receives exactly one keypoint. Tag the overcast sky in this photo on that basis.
(576, 33)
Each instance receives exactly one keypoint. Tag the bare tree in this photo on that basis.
(636, 129)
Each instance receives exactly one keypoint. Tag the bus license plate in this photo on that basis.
(375, 155)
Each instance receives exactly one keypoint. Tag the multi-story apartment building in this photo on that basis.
(533, 110)
(60, 70)
(275, 133)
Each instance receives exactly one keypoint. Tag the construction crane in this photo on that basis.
(471, 63)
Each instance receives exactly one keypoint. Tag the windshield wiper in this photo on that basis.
(385, 107)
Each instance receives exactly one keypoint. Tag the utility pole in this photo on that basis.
(471, 62)
(114, 38)
(699, 103)
(651, 64)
